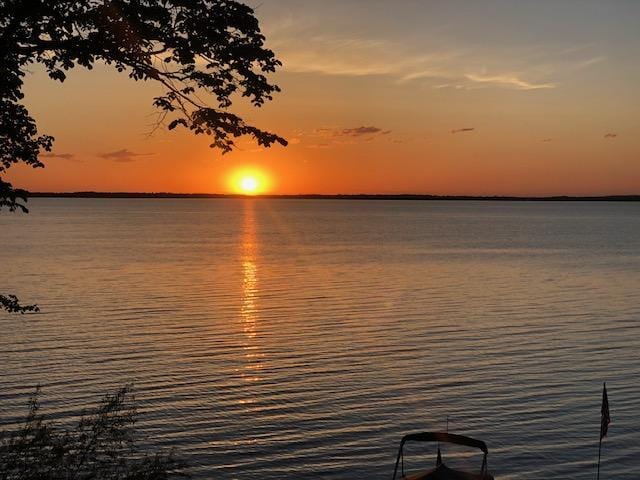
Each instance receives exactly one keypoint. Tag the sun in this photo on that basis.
(249, 184)
(249, 181)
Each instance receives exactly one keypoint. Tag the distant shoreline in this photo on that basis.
(559, 198)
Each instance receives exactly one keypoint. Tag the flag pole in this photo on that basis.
(605, 420)
(599, 450)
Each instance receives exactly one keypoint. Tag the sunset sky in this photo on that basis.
(496, 97)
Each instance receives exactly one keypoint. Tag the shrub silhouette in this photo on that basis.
(101, 446)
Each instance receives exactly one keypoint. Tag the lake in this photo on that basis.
(303, 338)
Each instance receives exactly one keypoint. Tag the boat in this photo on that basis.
(441, 471)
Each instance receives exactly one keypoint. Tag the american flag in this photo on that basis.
(605, 419)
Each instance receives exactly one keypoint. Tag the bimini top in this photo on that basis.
(442, 472)
(443, 437)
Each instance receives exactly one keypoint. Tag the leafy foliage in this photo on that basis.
(100, 447)
(202, 52)
(11, 304)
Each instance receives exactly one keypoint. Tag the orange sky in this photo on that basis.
(432, 99)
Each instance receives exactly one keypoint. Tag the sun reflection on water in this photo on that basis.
(248, 307)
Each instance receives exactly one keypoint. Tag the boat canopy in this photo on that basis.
(443, 437)
(442, 472)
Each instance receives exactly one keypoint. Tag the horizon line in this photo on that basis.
(338, 196)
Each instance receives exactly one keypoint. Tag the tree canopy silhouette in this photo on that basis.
(202, 52)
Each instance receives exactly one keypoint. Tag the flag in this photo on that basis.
(605, 419)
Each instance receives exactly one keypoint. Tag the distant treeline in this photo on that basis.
(362, 196)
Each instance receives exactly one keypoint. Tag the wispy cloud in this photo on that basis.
(122, 155)
(65, 156)
(461, 130)
(588, 62)
(438, 62)
(359, 57)
(325, 137)
(508, 80)
(362, 131)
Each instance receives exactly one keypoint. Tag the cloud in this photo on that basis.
(442, 62)
(460, 130)
(352, 132)
(123, 155)
(325, 137)
(547, 140)
(588, 62)
(610, 135)
(433, 57)
(360, 131)
(508, 80)
(65, 156)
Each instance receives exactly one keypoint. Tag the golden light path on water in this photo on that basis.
(249, 295)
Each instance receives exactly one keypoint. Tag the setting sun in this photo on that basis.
(249, 181)
(249, 184)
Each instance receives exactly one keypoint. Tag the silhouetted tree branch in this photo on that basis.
(201, 51)
(11, 304)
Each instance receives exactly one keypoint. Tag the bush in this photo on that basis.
(100, 447)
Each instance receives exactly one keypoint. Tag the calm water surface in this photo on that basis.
(287, 338)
